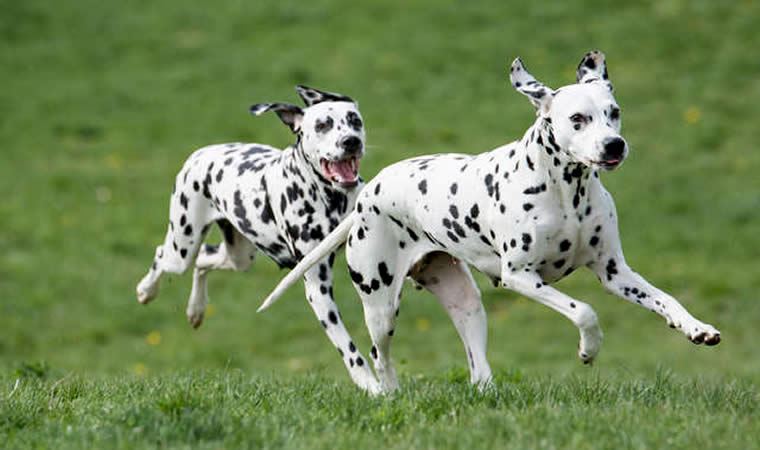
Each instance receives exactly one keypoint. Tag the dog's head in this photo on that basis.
(330, 130)
(584, 116)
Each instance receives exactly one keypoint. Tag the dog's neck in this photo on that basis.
(295, 161)
(548, 157)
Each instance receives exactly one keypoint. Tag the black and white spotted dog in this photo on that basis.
(526, 214)
(282, 203)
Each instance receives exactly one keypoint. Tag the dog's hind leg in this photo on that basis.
(451, 282)
(234, 253)
(189, 216)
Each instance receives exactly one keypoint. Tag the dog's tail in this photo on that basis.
(330, 243)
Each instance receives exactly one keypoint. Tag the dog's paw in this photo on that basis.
(195, 319)
(590, 344)
(146, 291)
(701, 333)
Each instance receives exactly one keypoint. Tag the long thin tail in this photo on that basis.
(330, 243)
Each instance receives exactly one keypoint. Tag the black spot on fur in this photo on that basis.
(471, 224)
(396, 221)
(244, 224)
(611, 269)
(488, 180)
(422, 186)
(526, 240)
(535, 189)
(385, 276)
(458, 229)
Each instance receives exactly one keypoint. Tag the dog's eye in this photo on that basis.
(615, 114)
(354, 121)
(578, 118)
(322, 127)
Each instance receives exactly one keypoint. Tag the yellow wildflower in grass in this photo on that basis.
(114, 161)
(140, 368)
(423, 324)
(210, 311)
(153, 338)
(297, 364)
(500, 314)
(692, 115)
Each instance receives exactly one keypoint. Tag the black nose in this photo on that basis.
(614, 148)
(351, 144)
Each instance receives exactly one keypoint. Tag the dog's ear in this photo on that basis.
(312, 96)
(538, 93)
(593, 69)
(291, 115)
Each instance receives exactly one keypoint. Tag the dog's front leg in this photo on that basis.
(582, 315)
(621, 280)
(319, 293)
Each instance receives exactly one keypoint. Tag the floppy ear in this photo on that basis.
(538, 93)
(291, 115)
(312, 96)
(593, 68)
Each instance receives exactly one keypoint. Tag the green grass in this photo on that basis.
(100, 103)
(231, 409)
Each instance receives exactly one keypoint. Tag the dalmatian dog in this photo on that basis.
(525, 214)
(281, 203)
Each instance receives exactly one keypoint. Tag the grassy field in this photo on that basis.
(100, 103)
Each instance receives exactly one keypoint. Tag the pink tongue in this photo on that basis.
(344, 169)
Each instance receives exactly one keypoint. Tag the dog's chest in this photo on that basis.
(546, 225)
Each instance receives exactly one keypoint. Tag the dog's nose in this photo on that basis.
(614, 148)
(351, 144)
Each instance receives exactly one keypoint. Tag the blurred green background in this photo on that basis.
(101, 102)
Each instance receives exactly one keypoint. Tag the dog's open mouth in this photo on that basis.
(609, 164)
(343, 172)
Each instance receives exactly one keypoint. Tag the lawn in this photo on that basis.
(100, 103)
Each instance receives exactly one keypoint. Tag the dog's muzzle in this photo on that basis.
(615, 150)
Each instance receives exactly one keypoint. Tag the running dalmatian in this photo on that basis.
(526, 214)
(282, 203)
